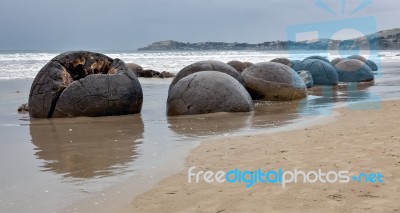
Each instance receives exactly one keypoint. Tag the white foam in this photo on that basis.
(27, 65)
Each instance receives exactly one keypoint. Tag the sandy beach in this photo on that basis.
(354, 140)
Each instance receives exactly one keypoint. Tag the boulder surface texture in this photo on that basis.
(84, 83)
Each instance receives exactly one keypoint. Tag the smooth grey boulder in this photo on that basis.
(84, 83)
(372, 65)
(284, 61)
(248, 64)
(318, 58)
(322, 72)
(239, 66)
(297, 65)
(307, 78)
(208, 92)
(358, 57)
(353, 70)
(137, 69)
(273, 81)
(338, 60)
(208, 66)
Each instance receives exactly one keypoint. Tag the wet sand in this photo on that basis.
(113, 159)
(356, 141)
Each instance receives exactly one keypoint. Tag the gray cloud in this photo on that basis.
(127, 24)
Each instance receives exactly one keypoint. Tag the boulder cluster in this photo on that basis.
(91, 84)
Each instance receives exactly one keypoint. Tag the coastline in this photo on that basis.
(358, 141)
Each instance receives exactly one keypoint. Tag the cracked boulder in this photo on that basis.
(307, 78)
(358, 57)
(322, 72)
(296, 65)
(284, 61)
(239, 66)
(338, 60)
(208, 66)
(353, 70)
(372, 65)
(208, 92)
(317, 57)
(84, 84)
(273, 81)
(368, 62)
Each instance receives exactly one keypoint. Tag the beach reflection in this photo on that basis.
(209, 124)
(87, 147)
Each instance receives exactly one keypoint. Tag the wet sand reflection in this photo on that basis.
(87, 147)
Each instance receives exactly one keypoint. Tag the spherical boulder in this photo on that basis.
(239, 66)
(84, 83)
(297, 65)
(137, 69)
(248, 64)
(307, 78)
(358, 57)
(353, 70)
(372, 65)
(284, 61)
(318, 57)
(208, 66)
(274, 82)
(208, 92)
(337, 61)
(322, 72)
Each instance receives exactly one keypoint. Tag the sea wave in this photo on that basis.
(23, 65)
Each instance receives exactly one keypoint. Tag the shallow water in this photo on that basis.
(53, 165)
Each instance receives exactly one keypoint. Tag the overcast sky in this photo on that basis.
(129, 24)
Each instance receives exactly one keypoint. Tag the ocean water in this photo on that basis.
(23, 65)
(68, 165)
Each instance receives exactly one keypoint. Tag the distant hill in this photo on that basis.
(383, 40)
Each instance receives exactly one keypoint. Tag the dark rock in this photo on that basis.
(297, 65)
(137, 69)
(239, 66)
(165, 74)
(318, 58)
(307, 78)
(274, 82)
(358, 57)
(322, 72)
(248, 64)
(353, 70)
(150, 74)
(84, 83)
(208, 66)
(372, 65)
(338, 60)
(284, 61)
(208, 92)
(24, 108)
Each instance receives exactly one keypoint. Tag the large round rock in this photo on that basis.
(274, 82)
(297, 65)
(208, 92)
(307, 78)
(239, 66)
(284, 61)
(372, 65)
(84, 84)
(137, 69)
(208, 66)
(322, 72)
(318, 58)
(353, 70)
(358, 57)
(337, 61)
